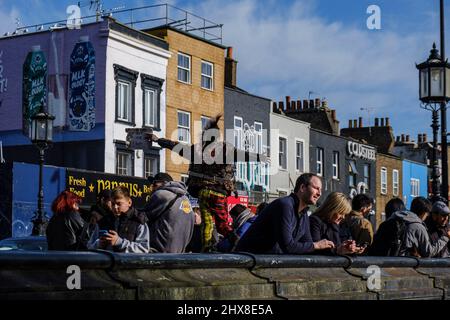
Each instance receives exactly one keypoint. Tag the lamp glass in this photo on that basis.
(437, 82)
(424, 92)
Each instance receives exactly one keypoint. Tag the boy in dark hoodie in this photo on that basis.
(126, 228)
(170, 216)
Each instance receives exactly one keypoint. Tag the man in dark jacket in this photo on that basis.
(170, 218)
(125, 230)
(283, 226)
(437, 225)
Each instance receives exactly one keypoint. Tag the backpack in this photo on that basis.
(389, 238)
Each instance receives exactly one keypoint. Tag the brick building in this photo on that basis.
(195, 90)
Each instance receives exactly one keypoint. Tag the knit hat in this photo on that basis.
(439, 207)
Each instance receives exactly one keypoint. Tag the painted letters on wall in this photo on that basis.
(34, 86)
(82, 87)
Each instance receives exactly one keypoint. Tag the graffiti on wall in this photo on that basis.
(3, 79)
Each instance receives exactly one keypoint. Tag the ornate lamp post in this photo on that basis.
(434, 91)
(41, 135)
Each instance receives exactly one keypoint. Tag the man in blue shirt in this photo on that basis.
(283, 226)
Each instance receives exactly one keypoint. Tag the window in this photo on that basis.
(205, 121)
(335, 165)
(150, 166)
(383, 180)
(184, 126)
(299, 157)
(184, 68)
(150, 110)
(319, 157)
(282, 153)
(352, 172)
(151, 91)
(124, 164)
(125, 88)
(207, 75)
(367, 177)
(238, 132)
(258, 137)
(395, 188)
(184, 178)
(415, 187)
(124, 101)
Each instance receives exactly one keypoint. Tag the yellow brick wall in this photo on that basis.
(390, 163)
(190, 97)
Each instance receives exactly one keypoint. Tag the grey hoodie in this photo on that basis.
(417, 237)
(171, 221)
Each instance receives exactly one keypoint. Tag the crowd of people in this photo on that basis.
(170, 223)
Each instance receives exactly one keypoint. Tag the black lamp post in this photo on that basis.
(41, 136)
(434, 91)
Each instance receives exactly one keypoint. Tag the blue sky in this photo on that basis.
(292, 47)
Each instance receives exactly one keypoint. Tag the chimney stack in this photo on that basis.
(376, 122)
(230, 69)
(350, 123)
(388, 122)
(360, 122)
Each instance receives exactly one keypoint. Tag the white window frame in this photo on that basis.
(188, 128)
(147, 108)
(415, 187)
(319, 163)
(336, 165)
(383, 174)
(286, 155)
(211, 77)
(395, 182)
(188, 70)
(238, 133)
(119, 170)
(183, 178)
(258, 137)
(302, 155)
(144, 166)
(124, 106)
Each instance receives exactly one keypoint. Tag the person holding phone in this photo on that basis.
(124, 230)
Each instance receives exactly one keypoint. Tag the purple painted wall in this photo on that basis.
(13, 51)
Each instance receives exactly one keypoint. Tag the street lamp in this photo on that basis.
(41, 135)
(434, 91)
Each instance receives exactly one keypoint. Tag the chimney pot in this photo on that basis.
(360, 122)
(403, 137)
(419, 138)
(376, 122)
(333, 114)
(388, 122)
(350, 123)
(407, 138)
(230, 52)
(397, 139)
(305, 104)
(355, 123)
(288, 102)
(311, 104)
(281, 104)
(324, 103)
(292, 105)
(424, 139)
(317, 103)
(274, 107)
(382, 122)
(299, 105)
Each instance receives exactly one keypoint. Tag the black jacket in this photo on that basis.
(64, 231)
(279, 228)
(324, 230)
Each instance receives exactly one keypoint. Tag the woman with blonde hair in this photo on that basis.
(324, 224)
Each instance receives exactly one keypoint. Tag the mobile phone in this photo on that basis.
(102, 233)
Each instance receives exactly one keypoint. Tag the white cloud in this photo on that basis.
(289, 50)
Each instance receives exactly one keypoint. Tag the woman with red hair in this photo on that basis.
(66, 225)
